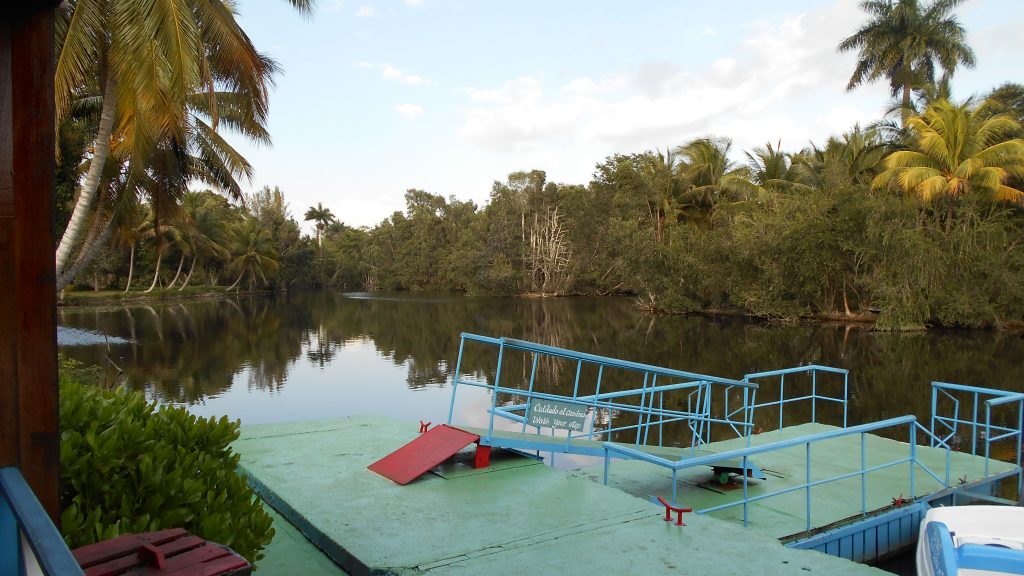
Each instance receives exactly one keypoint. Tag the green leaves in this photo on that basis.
(128, 466)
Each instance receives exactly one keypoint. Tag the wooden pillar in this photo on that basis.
(29, 428)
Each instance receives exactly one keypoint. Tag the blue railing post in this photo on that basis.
(455, 379)
(643, 397)
(974, 427)
(846, 395)
(913, 458)
(935, 412)
(529, 393)
(808, 474)
(782, 397)
(746, 498)
(814, 396)
(988, 433)
(494, 391)
(863, 475)
(597, 393)
(10, 539)
(749, 418)
(1020, 471)
(607, 461)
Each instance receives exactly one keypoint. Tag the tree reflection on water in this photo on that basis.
(192, 352)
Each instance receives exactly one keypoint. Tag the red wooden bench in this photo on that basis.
(172, 552)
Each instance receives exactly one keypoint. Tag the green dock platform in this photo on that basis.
(784, 516)
(515, 517)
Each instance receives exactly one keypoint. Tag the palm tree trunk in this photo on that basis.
(86, 256)
(189, 275)
(91, 183)
(156, 238)
(181, 264)
(156, 275)
(232, 287)
(131, 268)
(905, 111)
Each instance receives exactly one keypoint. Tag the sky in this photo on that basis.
(379, 96)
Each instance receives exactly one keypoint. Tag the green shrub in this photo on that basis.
(128, 466)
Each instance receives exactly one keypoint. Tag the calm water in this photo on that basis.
(323, 354)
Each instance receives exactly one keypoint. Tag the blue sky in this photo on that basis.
(380, 96)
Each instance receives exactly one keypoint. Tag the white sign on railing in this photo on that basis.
(554, 414)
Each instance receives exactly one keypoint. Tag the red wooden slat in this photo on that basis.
(181, 544)
(212, 568)
(428, 450)
(196, 557)
(100, 552)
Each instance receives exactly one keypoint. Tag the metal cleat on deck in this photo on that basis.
(669, 509)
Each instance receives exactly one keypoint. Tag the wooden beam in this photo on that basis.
(28, 315)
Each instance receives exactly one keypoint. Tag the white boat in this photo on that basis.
(971, 541)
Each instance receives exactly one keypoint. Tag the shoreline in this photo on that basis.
(868, 319)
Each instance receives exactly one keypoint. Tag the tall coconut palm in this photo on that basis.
(906, 42)
(252, 253)
(323, 218)
(958, 150)
(147, 59)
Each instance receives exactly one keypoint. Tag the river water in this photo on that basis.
(326, 354)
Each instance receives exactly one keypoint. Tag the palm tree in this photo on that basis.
(770, 169)
(252, 252)
(129, 229)
(906, 42)
(853, 158)
(145, 62)
(323, 218)
(709, 177)
(958, 150)
(666, 186)
(203, 230)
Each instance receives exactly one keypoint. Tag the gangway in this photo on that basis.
(612, 400)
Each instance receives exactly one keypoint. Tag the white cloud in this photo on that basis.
(366, 11)
(389, 72)
(413, 3)
(410, 111)
(785, 80)
(337, 5)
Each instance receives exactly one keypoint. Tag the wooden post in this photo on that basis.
(29, 427)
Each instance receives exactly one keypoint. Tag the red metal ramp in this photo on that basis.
(428, 450)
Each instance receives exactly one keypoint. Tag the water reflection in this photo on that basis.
(323, 354)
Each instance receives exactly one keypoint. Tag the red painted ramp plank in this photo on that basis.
(428, 450)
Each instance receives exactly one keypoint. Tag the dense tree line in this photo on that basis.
(878, 219)
(915, 219)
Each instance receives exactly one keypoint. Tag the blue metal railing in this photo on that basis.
(28, 538)
(646, 403)
(992, 433)
(813, 397)
(744, 454)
